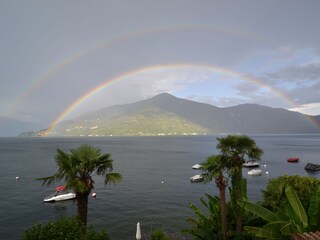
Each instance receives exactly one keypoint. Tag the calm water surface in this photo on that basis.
(144, 162)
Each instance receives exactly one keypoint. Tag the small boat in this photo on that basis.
(293, 160)
(251, 164)
(196, 166)
(254, 172)
(197, 178)
(312, 167)
(60, 194)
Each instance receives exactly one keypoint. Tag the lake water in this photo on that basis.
(155, 190)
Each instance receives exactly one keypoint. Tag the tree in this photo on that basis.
(235, 150)
(291, 218)
(76, 169)
(213, 168)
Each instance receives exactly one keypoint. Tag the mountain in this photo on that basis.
(10, 127)
(165, 114)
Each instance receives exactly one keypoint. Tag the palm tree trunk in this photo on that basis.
(239, 220)
(222, 189)
(235, 195)
(83, 207)
(238, 192)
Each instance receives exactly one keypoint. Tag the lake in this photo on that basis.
(155, 190)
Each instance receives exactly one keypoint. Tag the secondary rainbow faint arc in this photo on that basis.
(125, 75)
(36, 84)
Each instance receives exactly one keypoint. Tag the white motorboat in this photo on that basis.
(197, 178)
(251, 164)
(254, 172)
(60, 195)
(196, 166)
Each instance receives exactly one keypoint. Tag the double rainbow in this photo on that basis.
(111, 42)
(126, 75)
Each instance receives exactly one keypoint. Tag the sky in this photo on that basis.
(61, 59)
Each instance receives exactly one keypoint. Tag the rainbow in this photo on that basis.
(38, 83)
(123, 76)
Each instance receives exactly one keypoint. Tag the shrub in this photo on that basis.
(159, 235)
(63, 229)
(274, 195)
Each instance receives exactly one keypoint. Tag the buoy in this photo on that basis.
(94, 195)
(17, 178)
(267, 172)
(161, 181)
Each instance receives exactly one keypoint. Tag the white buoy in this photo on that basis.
(138, 232)
(17, 178)
(94, 195)
(267, 172)
(161, 181)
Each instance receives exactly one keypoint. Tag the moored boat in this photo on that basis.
(251, 164)
(293, 160)
(254, 172)
(60, 194)
(196, 166)
(196, 178)
(312, 167)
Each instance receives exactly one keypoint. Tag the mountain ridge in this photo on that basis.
(10, 127)
(165, 114)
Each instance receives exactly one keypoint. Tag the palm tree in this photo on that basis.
(205, 226)
(76, 169)
(234, 149)
(213, 169)
(274, 195)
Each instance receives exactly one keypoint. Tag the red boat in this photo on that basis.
(293, 159)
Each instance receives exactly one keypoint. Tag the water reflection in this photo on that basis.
(62, 207)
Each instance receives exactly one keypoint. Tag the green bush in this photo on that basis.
(274, 195)
(159, 235)
(63, 229)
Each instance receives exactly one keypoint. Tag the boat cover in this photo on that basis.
(60, 188)
(312, 167)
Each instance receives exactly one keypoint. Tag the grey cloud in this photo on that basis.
(305, 82)
(298, 74)
(306, 94)
(38, 36)
(245, 88)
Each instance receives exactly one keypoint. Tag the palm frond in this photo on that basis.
(259, 210)
(112, 178)
(65, 164)
(47, 180)
(314, 209)
(280, 229)
(291, 228)
(77, 186)
(104, 164)
(260, 232)
(296, 205)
